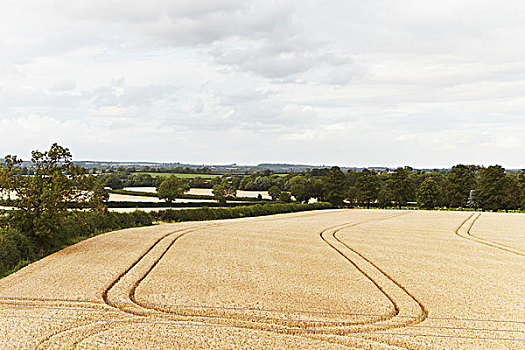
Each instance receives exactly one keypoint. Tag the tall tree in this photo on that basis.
(512, 194)
(44, 197)
(492, 184)
(367, 186)
(520, 178)
(9, 175)
(335, 186)
(460, 180)
(400, 186)
(428, 194)
(171, 188)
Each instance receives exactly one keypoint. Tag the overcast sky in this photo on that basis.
(423, 83)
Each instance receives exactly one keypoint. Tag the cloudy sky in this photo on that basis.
(338, 82)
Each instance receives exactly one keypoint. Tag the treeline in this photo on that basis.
(126, 178)
(487, 188)
(472, 186)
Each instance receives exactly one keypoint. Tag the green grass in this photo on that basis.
(182, 176)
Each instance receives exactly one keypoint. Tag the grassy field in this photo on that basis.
(182, 176)
(360, 279)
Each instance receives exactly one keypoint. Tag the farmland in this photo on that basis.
(332, 279)
(182, 176)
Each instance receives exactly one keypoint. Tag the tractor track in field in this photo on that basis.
(466, 234)
(323, 330)
(405, 303)
(292, 326)
(44, 343)
(227, 319)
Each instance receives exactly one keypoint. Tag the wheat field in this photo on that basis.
(337, 279)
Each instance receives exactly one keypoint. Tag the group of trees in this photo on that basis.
(490, 188)
(45, 196)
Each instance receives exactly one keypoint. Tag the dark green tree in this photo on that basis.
(367, 186)
(520, 178)
(428, 194)
(275, 193)
(223, 191)
(335, 186)
(512, 195)
(460, 180)
(400, 186)
(492, 184)
(171, 188)
(302, 188)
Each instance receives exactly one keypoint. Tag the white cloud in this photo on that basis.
(335, 82)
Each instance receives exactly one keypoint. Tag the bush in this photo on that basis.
(231, 213)
(9, 254)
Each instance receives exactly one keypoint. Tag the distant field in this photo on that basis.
(183, 176)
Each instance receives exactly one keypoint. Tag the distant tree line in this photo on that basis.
(488, 188)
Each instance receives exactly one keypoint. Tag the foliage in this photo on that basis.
(9, 175)
(275, 193)
(238, 212)
(512, 194)
(44, 197)
(303, 188)
(335, 185)
(367, 186)
(491, 188)
(460, 181)
(428, 194)
(223, 191)
(17, 248)
(400, 186)
(171, 188)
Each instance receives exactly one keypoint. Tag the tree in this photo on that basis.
(520, 178)
(512, 194)
(111, 180)
(368, 185)
(492, 184)
(45, 196)
(171, 188)
(383, 197)
(428, 194)
(9, 175)
(223, 191)
(275, 193)
(302, 188)
(459, 182)
(335, 186)
(400, 186)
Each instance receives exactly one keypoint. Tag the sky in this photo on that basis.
(335, 82)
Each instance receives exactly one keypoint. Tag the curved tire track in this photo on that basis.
(111, 297)
(465, 233)
(49, 340)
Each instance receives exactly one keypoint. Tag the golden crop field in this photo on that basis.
(337, 279)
